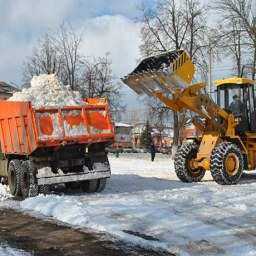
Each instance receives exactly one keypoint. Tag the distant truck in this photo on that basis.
(70, 141)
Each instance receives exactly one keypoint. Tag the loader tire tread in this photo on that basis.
(185, 152)
(218, 156)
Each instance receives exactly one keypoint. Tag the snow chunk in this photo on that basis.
(4, 193)
(48, 91)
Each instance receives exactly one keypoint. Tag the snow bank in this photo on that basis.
(145, 204)
(4, 193)
(5, 250)
(48, 91)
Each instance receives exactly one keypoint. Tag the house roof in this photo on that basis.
(6, 88)
(122, 125)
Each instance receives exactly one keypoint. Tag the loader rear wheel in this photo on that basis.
(183, 169)
(226, 164)
(14, 173)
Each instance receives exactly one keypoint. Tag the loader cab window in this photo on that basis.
(232, 97)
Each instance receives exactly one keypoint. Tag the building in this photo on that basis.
(6, 90)
(162, 140)
(123, 138)
(188, 132)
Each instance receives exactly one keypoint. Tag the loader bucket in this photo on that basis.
(165, 73)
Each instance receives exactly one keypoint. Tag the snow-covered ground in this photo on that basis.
(5, 250)
(145, 204)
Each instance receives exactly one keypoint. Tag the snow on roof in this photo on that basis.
(117, 124)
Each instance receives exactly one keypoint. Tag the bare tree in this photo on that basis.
(240, 12)
(68, 43)
(46, 59)
(175, 25)
(159, 115)
(97, 80)
(59, 52)
(232, 42)
(56, 52)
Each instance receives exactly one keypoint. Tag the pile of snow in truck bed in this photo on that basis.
(48, 91)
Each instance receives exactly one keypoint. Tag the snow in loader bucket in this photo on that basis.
(165, 73)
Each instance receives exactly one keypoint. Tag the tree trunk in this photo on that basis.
(254, 63)
(176, 133)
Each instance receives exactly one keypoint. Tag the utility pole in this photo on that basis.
(210, 82)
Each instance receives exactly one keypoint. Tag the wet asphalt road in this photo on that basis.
(44, 237)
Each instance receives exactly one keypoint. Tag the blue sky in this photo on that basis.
(23, 21)
(108, 26)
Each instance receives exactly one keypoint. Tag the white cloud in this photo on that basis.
(24, 15)
(120, 37)
(117, 35)
(26, 20)
(12, 56)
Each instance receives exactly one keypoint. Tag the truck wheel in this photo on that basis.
(14, 173)
(101, 184)
(89, 186)
(184, 172)
(44, 189)
(24, 180)
(33, 186)
(226, 164)
(72, 185)
(92, 186)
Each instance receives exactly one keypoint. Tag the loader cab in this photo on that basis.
(241, 90)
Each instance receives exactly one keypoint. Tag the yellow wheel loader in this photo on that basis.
(228, 142)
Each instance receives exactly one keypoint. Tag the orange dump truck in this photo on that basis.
(70, 141)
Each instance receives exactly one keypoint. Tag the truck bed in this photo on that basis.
(23, 128)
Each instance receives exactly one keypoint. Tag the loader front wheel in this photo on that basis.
(14, 172)
(226, 164)
(183, 169)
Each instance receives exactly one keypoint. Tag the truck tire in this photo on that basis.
(89, 186)
(24, 179)
(72, 185)
(93, 186)
(44, 189)
(227, 164)
(14, 173)
(101, 184)
(184, 154)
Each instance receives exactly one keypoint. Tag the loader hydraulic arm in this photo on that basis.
(192, 98)
(168, 77)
